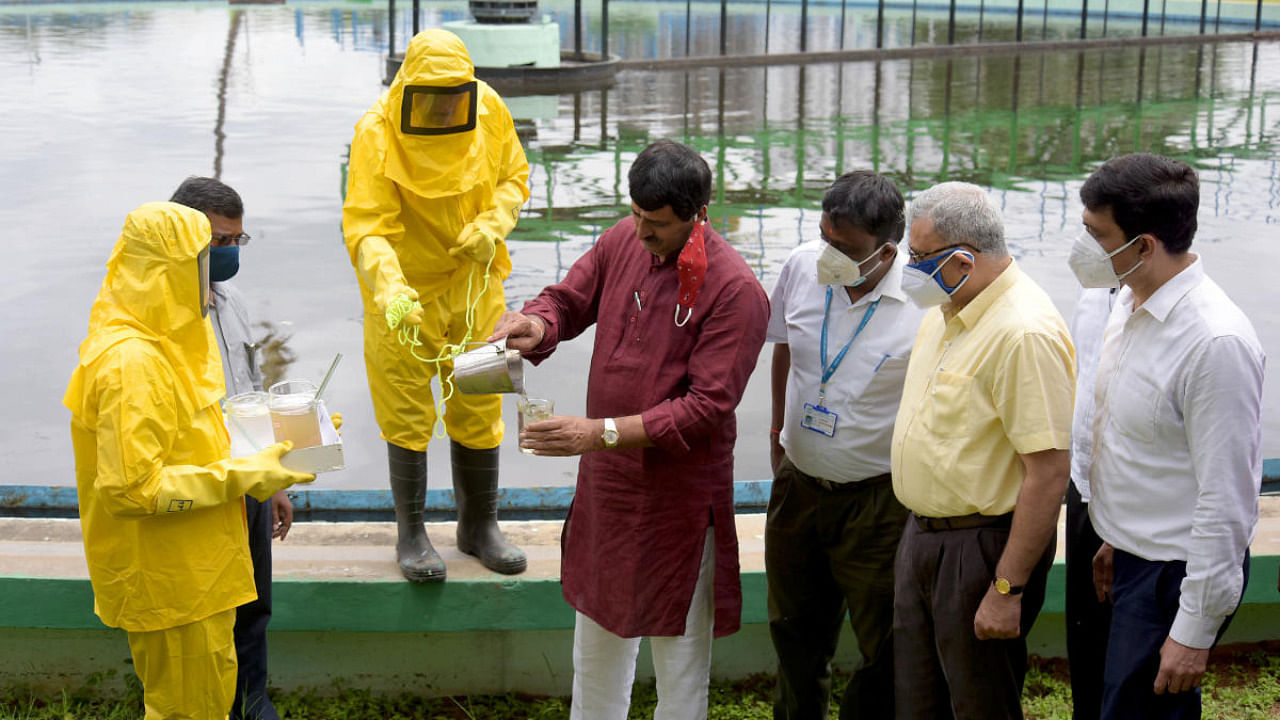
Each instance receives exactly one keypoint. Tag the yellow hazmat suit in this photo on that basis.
(437, 177)
(160, 505)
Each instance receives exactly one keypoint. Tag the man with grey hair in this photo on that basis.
(980, 458)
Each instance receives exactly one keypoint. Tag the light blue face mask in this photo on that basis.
(224, 262)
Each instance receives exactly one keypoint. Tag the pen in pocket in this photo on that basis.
(882, 359)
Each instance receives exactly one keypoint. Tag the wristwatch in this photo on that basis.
(610, 435)
(1003, 587)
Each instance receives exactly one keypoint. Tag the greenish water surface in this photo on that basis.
(109, 106)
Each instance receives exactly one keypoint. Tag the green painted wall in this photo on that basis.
(461, 637)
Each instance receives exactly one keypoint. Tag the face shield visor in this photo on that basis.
(202, 269)
(428, 110)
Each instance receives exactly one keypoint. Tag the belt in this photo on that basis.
(836, 487)
(963, 522)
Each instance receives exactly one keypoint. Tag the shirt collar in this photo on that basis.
(1163, 300)
(891, 283)
(970, 314)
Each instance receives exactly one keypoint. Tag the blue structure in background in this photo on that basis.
(537, 503)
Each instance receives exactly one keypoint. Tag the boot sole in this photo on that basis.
(423, 577)
(416, 575)
(510, 568)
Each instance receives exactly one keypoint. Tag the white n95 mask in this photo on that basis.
(1092, 265)
(836, 268)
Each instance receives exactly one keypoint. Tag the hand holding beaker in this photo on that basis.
(533, 410)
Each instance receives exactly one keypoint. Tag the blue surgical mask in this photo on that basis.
(922, 281)
(224, 262)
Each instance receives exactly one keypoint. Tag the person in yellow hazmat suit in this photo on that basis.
(435, 183)
(161, 506)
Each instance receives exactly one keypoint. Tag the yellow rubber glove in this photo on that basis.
(380, 269)
(186, 487)
(475, 244)
(336, 419)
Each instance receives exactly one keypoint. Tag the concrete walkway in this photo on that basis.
(52, 548)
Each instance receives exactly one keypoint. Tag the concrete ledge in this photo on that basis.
(343, 614)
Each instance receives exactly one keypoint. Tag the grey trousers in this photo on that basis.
(941, 669)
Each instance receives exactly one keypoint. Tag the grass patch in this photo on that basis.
(1243, 683)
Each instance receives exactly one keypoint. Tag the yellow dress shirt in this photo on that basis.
(986, 384)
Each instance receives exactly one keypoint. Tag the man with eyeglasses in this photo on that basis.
(843, 330)
(229, 315)
(1088, 617)
(980, 457)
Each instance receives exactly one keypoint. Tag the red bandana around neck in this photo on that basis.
(691, 268)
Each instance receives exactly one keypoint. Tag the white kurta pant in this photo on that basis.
(604, 665)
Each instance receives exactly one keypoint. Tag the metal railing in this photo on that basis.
(1096, 19)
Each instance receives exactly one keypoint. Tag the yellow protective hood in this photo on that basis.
(152, 292)
(439, 165)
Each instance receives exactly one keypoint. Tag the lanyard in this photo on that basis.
(829, 370)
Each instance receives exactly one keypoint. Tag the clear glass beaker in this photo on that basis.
(248, 423)
(294, 412)
(533, 410)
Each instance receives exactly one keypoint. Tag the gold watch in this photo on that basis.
(610, 434)
(1004, 587)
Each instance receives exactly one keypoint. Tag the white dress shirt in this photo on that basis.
(1177, 460)
(867, 385)
(1092, 309)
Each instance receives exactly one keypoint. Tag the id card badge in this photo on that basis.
(819, 419)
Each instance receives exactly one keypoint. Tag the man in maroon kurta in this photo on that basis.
(680, 321)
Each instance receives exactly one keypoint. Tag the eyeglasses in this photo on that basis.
(916, 257)
(222, 240)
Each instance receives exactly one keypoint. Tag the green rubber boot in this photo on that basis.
(475, 485)
(418, 561)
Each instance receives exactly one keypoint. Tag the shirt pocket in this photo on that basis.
(946, 409)
(883, 386)
(1132, 402)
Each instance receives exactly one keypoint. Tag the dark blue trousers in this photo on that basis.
(251, 622)
(1146, 601)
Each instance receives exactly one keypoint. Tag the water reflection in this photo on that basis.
(232, 31)
(274, 353)
(780, 134)
(107, 108)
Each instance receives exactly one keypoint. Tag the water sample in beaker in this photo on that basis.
(294, 415)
